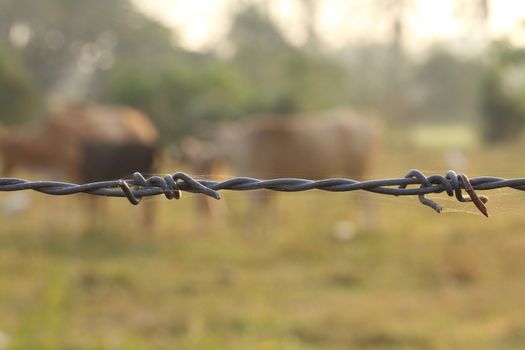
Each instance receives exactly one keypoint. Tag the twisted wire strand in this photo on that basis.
(172, 186)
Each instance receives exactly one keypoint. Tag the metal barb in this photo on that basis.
(478, 201)
(418, 175)
(172, 186)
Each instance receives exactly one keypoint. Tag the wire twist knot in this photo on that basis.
(452, 184)
(169, 184)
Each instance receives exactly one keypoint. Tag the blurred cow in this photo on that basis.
(338, 143)
(83, 143)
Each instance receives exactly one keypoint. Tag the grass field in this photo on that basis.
(414, 280)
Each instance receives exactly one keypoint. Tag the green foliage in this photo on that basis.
(266, 74)
(19, 100)
(503, 93)
(381, 77)
(65, 33)
(135, 61)
(315, 81)
(177, 99)
(283, 78)
(447, 86)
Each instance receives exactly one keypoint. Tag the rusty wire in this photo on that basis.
(171, 186)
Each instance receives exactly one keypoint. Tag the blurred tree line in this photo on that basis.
(503, 103)
(106, 51)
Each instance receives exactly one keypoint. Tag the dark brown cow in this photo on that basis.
(83, 143)
(75, 141)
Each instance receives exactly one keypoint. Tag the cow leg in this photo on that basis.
(211, 213)
(148, 217)
(97, 208)
(369, 210)
(205, 206)
(262, 214)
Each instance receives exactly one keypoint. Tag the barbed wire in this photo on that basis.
(172, 186)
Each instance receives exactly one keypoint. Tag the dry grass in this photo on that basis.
(416, 280)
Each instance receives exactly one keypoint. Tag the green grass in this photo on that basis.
(415, 280)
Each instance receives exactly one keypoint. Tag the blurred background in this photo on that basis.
(92, 90)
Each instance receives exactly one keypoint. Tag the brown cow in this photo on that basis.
(328, 144)
(62, 141)
(83, 143)
(324, 146)
(338, 143)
